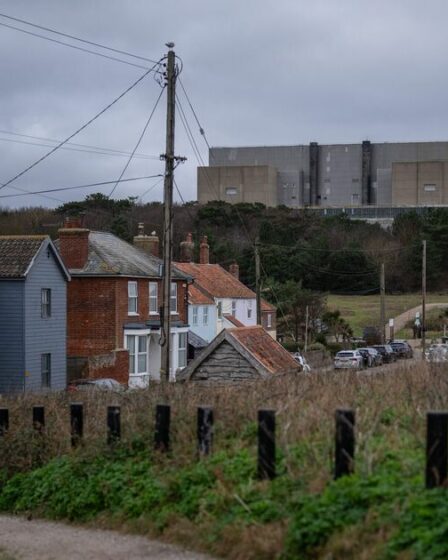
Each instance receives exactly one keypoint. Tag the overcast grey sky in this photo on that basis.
(258, 73)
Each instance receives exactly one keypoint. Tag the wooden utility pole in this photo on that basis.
(258, 279)
(306, 327)
(383, 304)
(424, 300)
(167, 217)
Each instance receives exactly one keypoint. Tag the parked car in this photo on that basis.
(402, 348)
(351, 359)
(437, 353)
(375, 358)
(301, 360)
(105, 384)
(367, 360)
(386, 352)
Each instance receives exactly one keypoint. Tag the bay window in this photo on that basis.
(137, 346)
(182, 350)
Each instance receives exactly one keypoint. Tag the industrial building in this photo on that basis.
(329, 175)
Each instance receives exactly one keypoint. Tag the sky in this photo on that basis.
(257, 72)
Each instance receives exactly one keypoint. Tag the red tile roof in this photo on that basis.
(216, 281)
(232, 319)
(266, 306)
(196, 297)
(264, 348)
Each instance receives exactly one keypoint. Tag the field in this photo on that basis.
(362, 311)
(217, 504)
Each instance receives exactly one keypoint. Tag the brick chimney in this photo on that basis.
(147, 243)
(234, 269)
(74, 243)
(187, 249)
(204, 251)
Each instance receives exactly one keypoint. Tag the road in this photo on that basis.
(409, 315)
(43, 540)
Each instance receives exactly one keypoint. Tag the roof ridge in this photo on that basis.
(30, 237)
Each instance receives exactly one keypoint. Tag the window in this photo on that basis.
(195, 314)
(234, 307)
(132, 298)
(249, 309)
(45, 369)
(429, 188)
(269, 320)
(205, 315)
(219, 310)
(153, 298)
(45, 303)
(173, 298)
(182, 350)
(231, 191)
(137, 346)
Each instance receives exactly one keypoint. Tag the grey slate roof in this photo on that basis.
(110, 255)
(17, 254)
(196, 341)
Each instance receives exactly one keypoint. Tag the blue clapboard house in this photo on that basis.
(33, 315)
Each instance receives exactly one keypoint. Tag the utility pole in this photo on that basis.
(383, 304)
(167, 216)
(424, 300)
(306, 327)
(258, 279)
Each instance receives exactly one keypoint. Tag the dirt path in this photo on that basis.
(401, 320)
(42, 540)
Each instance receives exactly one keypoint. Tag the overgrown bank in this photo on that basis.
(217, 504)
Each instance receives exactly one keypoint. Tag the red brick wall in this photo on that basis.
(113, 366)
(74, 246)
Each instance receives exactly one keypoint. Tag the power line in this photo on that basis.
(138, 141)
(127, 90)
(114, 58)
(87, 151)
(151, 188)
(100, 184)
(51, 30)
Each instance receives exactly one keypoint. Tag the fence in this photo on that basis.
(436, 470)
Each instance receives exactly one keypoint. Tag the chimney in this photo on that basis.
(187, 249)
(234, 269)
(204, 251)
(147, 243)
(74, 243)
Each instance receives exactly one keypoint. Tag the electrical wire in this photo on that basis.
(51, 30)
(100, 184)
(127, 90)
(138, 142)
(140, 198)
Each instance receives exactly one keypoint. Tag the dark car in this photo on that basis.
(365, 356)
(402, 348)
(386, 352)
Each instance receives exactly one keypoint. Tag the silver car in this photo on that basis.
(348, 359)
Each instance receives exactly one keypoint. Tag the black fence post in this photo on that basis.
(436, 449)
(162, 429)
(205, 430)
(38, 418)
(4, 421)
(76, 423)
(113, 424)
(345, 443)
(266, 444)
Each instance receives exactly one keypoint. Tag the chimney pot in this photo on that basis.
(141, 228)
(187, 249)
(204, 251)
(234, 269)
(74, 243)
(147, 243)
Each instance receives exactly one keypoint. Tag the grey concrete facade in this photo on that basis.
(326, 175)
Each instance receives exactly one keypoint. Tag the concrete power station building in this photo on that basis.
(329, 176)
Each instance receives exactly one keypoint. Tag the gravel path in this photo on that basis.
(42, 540)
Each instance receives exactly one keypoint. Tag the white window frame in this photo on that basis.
(153, 296)
(219, 309)
(269, 320)
(182, 350)
(132, 297)
(234, 307)
(249, 309)
(231, 191)
(45, 303)
(45, 370)
(195, 314)
(173, 298)
(137, 352)
(205, 315)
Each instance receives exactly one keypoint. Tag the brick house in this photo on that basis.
(233, 303)
(114, 300)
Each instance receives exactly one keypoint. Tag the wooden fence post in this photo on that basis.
(76, 423)
(345, 443)
(162, 429)
(266, 444)
(436, 449)
(4, 421)
(113, 424)
(205, 430)
(38, 418)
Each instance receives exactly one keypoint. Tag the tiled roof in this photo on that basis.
(110, 255)
(264, 348)
(196, 341)
(232, 319)
(196, 297)
(216, 281)
(17, 253)
(266, 306)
